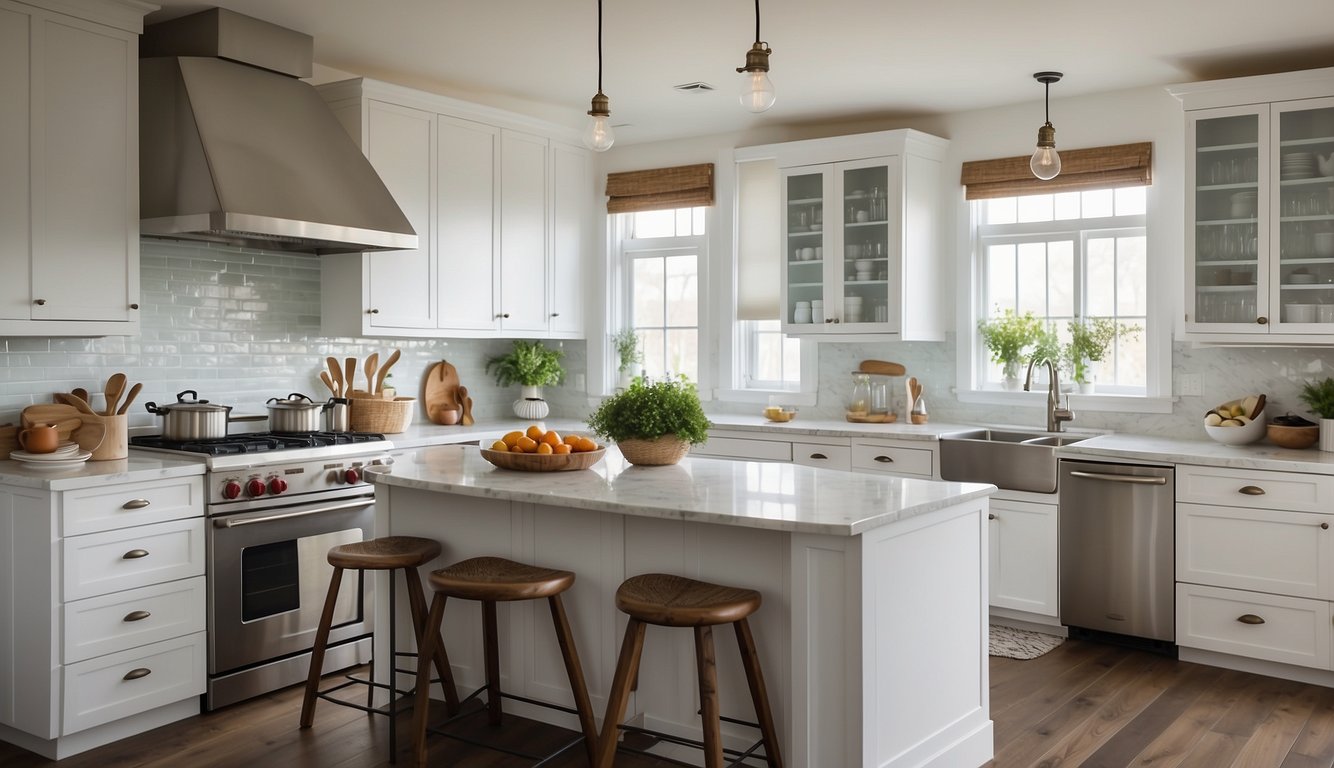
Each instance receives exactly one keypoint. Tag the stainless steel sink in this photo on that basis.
(1010, 459)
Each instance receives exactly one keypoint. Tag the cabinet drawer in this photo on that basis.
(111, 561)
(738, 448)
(97, 691)
(1263, 550)
(90, 510)
(116, 622)
(1294, 630)
(821, 455)
(1255, 488)
(896, 459)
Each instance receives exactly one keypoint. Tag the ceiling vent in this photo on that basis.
(695, 87)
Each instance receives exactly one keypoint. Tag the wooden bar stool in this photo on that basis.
(491, 580)
(391, 553)
(674, 601)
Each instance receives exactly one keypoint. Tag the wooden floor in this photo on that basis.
(1083, 704)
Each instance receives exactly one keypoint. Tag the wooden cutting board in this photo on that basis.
(442, 384)
(9, 440)
(50, 413)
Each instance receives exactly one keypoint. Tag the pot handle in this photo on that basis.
(298, 396)
(152, 408)
(180, 396)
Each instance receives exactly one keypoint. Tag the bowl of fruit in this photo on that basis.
(1237, 422)
(543, 450)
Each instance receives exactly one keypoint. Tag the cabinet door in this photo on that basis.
(467, 157)
(1227, 209)
(85, 161)
(523, 233)
(1023, 556)
(1262, 550)
(402, 283)
(570, 187)
(15, 239)
(870, 298)
(1302, 277)
(807, 247)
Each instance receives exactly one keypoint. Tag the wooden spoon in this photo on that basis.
(372, 363)
(77, 402)
(336, 376)
(115, 388)
(134, 392)
(328, 382)
(384, 371)
(81, 392)
(350, 376)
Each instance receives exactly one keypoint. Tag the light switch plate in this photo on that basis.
(1190, 385)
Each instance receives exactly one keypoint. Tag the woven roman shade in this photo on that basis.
(1124, 165)
(658, 189)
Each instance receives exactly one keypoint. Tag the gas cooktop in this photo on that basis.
(256, 442)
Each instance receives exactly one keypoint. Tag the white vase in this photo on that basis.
(1327, 435)
(1010, 376)
(628, 374)
(1085, 387)
(530, 404)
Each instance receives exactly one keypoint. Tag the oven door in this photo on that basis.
(268, 576)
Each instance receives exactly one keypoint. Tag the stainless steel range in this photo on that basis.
(275, 505)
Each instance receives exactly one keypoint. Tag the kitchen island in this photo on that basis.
(873, 631)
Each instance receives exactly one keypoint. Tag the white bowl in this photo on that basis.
(1238, 435)
(864, 265)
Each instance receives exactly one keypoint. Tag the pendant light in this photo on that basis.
(757, 90)
(1046, 163)
(598, 136)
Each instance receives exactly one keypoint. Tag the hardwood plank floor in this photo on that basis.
(1083, 704)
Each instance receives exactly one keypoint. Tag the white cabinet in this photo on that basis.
(895, 457)
(861, 236)
(829, 453)
(501, 211)
(102, 611)
(69, 168)
(1260, 208)
(1023, 556)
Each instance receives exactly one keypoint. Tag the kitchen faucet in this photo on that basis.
(1055, 414)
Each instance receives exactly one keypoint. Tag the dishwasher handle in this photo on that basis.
(1134, 479)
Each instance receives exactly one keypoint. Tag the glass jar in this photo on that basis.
(860, 402)
(879, 395)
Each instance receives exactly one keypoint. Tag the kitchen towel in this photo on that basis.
(1021, 644)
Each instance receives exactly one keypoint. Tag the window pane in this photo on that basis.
(768, 356)
(697, 226)
(1131, 356)
(648, 292)
(653, 224)
(1067, 205)
(1097, 203)
(1002, 211)
(1061, 278)
(682, 290)
(1130, 201)
(683, 352)
(655, 358)
(1131, 276)
(1035, 208)
(1000, 278)
(1101, 277)
(791, 360)
(1033, 278)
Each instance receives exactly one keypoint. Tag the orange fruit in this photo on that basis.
(586, 445)
(572, 440)
(551, 438)
(511, 438)
(561, 449)
(526, 444)
(535, 432)
(499, 445)
(544, 448)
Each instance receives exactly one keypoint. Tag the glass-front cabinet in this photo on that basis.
(1260, 210)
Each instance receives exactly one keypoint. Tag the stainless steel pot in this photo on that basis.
(193, 419)
(295, 413)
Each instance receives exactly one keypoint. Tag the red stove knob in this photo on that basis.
(277, 485)
(231, 490)
(255, 487)
(352, 476)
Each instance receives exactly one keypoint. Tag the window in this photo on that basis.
(662, 254)
(768, 360)
(1065, 256)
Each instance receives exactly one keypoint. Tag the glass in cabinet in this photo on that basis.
(1304, 209)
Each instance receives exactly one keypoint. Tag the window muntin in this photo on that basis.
(662, 255)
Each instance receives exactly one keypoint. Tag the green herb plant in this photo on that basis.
(1009, 335)
(628, 352)
(1089, 341)
(650, 409)
(528, 364)
(1319, 395)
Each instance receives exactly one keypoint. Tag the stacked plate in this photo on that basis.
(1297, 165)
(66, 456)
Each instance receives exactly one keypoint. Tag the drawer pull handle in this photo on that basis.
(1250, 618)
(135, 504)
(818, 456)
(135, 674)
(1251, 490)
(137, 615)
(884, 459)
(134, 554)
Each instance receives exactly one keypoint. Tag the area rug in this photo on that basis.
(1020, 643)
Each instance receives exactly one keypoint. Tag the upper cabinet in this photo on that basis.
(69, 167)
(501, 210)
(1260, 208)
(861, 239)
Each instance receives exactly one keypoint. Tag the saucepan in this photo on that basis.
(192, 419)
(295, 413)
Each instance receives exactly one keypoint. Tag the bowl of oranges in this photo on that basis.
(543, 450)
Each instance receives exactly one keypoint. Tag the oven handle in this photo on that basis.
(234, 523)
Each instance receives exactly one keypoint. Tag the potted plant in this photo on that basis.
(629, 356)
(532, 366)
(1089, 341)
(1007, 337)
(652, 422)
(1319, 396)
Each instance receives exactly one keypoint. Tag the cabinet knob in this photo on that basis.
(372, 311)
(136, 616)
(1262, 320)
(991, 515)
(134, 306)
(1251, 490)
(135, 674)
(134, 554)
(884, 459)
(1250, 618)
(1324, 526)
(39, 302)
(505, 315)
(555, 314)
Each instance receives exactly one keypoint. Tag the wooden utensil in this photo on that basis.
(78, 402)
(46, 413)
(328, 382)
(81, 392)
(134, 392)
(881, 368)
(442, 391)
(335, 373)
(115, 388)
(9, 440)
(372, 364)
(467, 406)
(384, 371)
(349, 376)
(89, 435)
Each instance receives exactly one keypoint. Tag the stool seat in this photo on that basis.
(675, 601)
(500, 580)
(384, 554)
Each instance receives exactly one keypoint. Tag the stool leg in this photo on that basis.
(759, 694)
(393, 670)
(708, 697)
(425, 651)
(627, 669)
(317, 653)
(418, 602)
(491, 647)
(576, 672)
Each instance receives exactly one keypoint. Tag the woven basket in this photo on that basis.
(657, 452)
(385, 416)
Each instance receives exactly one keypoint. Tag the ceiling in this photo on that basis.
(832, 60)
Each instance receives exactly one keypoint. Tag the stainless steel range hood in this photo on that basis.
(234, 148)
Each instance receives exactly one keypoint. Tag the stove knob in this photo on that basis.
(231, 490)
(352, 476)
(277, 485)
(335, 476)
(255, 487)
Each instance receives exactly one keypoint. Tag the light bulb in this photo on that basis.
(757, 91)
(598, 135)
(1046, 163)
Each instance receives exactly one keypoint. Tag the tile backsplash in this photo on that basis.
(240, 326)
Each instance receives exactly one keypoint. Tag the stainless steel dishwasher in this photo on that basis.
(1117, 549)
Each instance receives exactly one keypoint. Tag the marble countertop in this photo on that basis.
(1170, 450)
(775, 496)
(834, 427)
(138, 467)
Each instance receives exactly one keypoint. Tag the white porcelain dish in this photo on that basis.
(65, 462)
(1242, 435)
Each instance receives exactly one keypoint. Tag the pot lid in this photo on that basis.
(293, 402)
(192, 405)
